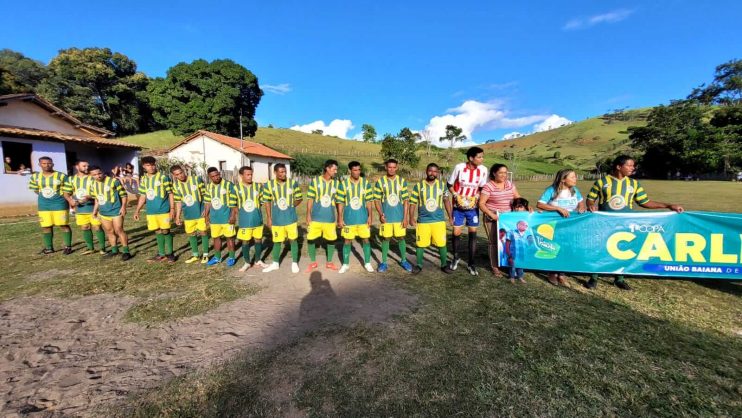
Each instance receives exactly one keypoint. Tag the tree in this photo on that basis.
(369, 133)
(427, 137)
(19, 74)
(206, 95)
(726, 89)
(402, 147)
(453, 134)
(318, 132)
(100, 87)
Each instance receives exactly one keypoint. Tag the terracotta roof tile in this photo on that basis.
(247, 147)
(58, 136)
(56, 111)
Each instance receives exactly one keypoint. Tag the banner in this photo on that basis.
(690, 244)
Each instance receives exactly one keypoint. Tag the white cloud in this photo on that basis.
(512, 135)
(552, 122)
(338, 127)
(282, 88)
(587, 22)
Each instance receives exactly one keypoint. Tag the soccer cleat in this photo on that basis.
(446, 270)
(271, 267)
(331, 266)
(344, 269)
(294, 267)
(46, 251)
(170, 259)
(416, 269)
(192, 260)
(622, 285)
(214, 261)
(261, 264)
(155, 259)
(231, 262)
(454, 263)
(67, 251)
(383, 268)
(126, 257)
(87, 251)
(102, 252)
(311, 267)
(110, 255)
(245, 267)
(204, 259)
(406, 266)
(591, 284)
(369, 268)
(472, 270)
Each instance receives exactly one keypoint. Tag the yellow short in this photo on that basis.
(108, 218)
(84, 219)
(394, 229)
(326, 230)
(223, 230)
(49, 218)
(194, 225)
(434, 232)
(280, 233)
(155, 222)
(246, 234)
(353, 231)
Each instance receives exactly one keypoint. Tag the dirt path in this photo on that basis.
(65, 356)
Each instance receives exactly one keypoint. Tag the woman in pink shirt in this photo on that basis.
(496, 197)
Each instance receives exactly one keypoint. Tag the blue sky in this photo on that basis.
(492, 67)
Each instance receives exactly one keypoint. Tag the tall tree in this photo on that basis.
(726, 89)
(369, 133)
(18, 73)
(206, 95)
(453, 134)
(402, 147)
(100, 87)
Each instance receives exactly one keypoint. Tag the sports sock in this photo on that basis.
(205, 244)
(231, 253)
(455, 245)
(218, 254)
(67, 237)
(472, 246)
(258, 251)
(420, 252)
(276, 252)
(384, 250)
(346, 254)
(312, 250)
(101, 236)
(295, 251)
(330, 251)
(87, 236)
(125, 249)
(114, 249)
(366, 252)
(246, 251)
(193, 241)
(443, 253)
(160, 244)
(168, 243)
(48, 240)
(402, 249)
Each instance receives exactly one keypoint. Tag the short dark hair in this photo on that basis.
(329, 163)
(244, 168)
(149, 160)
(211, 170)
(473, 151)
(621, 160)
(129, 165)
(431, 165)
(353, 164)
(45, 158)
(94, 167)
(80, 161)
(391, 160)
(495, 168)
(518, 202)
(279, 165)
(175, 167)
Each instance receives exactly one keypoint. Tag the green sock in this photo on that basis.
(276, 252)
(420, 253)
(114, 249)
(246, 251)
(48, 240)
(205, 244)
(258, 251)
(67, 236)
(125, 249)
(366, 252)
(384, 250)
(312, 250)
(402, 249)
(193, 241)
(168, 243)
(330, 251)
(101, 236)
(295, 251)
(160, 244)
(231, 253)
(218, 254)
(346, 254)
(87, 236)
(443, 253)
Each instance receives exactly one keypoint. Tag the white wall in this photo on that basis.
(30, 115)
(14, 186)
(106, 158)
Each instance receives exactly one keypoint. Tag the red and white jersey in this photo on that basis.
(467, 181)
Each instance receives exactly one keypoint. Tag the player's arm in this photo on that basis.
(593, 196)
(378, 195)
(483, 197)
(178, 212)
(405, 196)
(298, 197)
(370, 210)
(653, 204)
(140, 205)
(449, 208)
(232, 204)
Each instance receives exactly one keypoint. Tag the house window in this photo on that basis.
(17, 157)
(222, 166)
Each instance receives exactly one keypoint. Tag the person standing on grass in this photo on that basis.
(221, 215)
(391, 199)
(321, 214)
(563, 197)
(83, 208)
(281, 197)
(427, 201)
(250, 218)
(109, 208)
(156, 191)
(189, 193)
(617, 192)
(496, 197)
(355, 214)
(54, 190)
(464, 183)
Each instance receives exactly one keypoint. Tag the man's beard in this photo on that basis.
(431, 178)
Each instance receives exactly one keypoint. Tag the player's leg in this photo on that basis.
(399, 234)
(83, 220)
(385, 233)
(348, 234)
(121, 237)
(292, 232)
(458, 224)
(108, 228)
(329, 234)
(314, 231)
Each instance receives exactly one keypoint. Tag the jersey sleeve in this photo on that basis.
(118, 188)
(485, 177)
(547, 195)
(378, 191)
(142, 188)
(340, 194)
(297, 191)
(267, 194)
(167, 184)
(66, 184)
(454, 175)
(415, 195)
(404, 193)
(640, 196)
(578, 195)
(207, 195)
(369, 191)
(595, 190)
(177, 195)
(311, 190)
(231, 196)
(33, 184)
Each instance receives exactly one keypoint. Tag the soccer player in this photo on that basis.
(156, 190)
(250, 218)
(54, 202)
(464, 183)
(355, 213)
(618, 192)
(188, 194)
(321, 214)
(109, 208)
(221, 215)
(427, 201)
(391, 199)
(83, 208)
(281, 197)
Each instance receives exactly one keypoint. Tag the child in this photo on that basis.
(518, 241)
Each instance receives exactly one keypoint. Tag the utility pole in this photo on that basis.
(241, 145)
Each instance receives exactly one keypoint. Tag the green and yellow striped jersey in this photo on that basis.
(109, 193)
(81, 190)
(282, 197)
(249, 200)
(392, 192)
(157, 188)
(222, 198)
(613, 194)
(191, 195)
(429, 199)
(355, 196)
(324, 194)
(51, 190)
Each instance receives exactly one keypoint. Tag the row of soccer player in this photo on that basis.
(225, 211)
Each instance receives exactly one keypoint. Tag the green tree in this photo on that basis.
(369, 133)
(453, 134)
(206, 95)
(19, 74)
(726, 89)
(402, 147)
(100, 87)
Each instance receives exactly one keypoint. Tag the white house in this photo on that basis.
(229, 154)
(31, 127)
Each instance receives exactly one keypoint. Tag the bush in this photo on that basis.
(308, 165)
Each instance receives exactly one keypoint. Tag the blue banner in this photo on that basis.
(690, 244)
